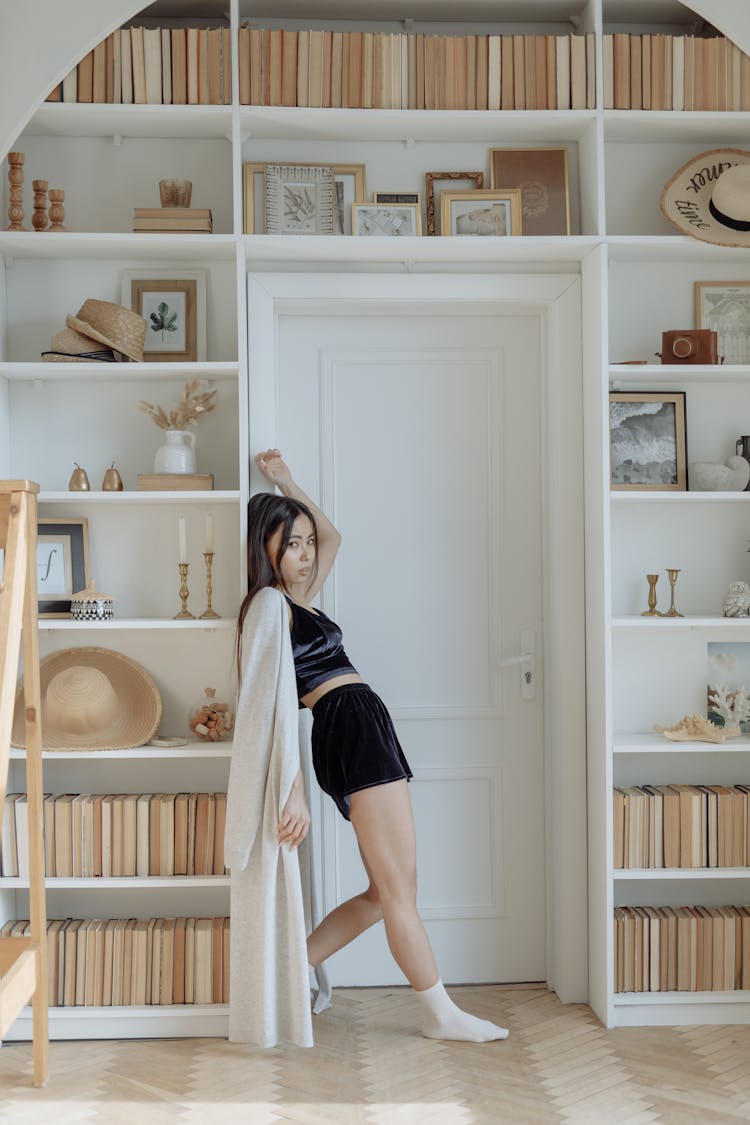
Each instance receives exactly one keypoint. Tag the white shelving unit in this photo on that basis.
(637, 276)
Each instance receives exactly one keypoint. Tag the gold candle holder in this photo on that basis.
(672, 576)
(208, 612)
(184, 614)
(652, 611)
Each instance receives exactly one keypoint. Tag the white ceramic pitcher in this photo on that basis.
(177, 455)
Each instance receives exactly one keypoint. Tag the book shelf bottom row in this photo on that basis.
(128, 1022)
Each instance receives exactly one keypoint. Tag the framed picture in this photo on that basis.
(62, 560)
(648, 440)
(491, 212)
(175, 313)
(389, 219)
(724, 306)
(349, 187)
(542, 176)
(397, 197)
(299, 199)
(728, 677)
(456, 181)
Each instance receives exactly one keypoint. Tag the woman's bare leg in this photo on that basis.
(346, 922)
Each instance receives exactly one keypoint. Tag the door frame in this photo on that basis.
(556, 299)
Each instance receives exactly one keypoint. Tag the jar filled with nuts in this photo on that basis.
(211, 720)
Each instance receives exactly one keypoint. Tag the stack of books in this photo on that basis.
(682, 72)
(163, 220)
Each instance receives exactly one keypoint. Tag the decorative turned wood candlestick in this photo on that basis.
(39, 220)
(56, 210)
(15, 191)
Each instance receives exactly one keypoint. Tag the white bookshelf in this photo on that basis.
(637, 276)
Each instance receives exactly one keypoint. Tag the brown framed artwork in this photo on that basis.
(349, 188)
(455, 181)
(169, 306)
(491, 212)
(542, 176)
(648, 441)
(724, 307)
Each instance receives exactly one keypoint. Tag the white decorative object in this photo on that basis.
(693, 728)
(708, 476)
(737, 600)
(177, 455)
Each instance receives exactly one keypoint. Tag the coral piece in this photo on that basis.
(733, 704)
(693, 728)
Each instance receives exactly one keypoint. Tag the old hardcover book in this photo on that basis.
(128, 960)
(98, 798)
(483, 71)
(49, 834)
(608, 70)
(54, 928)
(529, 63)
(274, 66)
(85, 80)
(494, 71)
(192, 806)
(118, 961)
(203, 94)
(621, 49)
(689, 70)
(117, 44)
(225, 66)
(353, 89)
(143, 824)
(562, 61)
(711, 82)
(180, 833)
(327, 61)
(678, 72)
(724, 827)
(178, 962)
(519, 72)
(220, 806)
(619, 940)
(248, 64)
(577, 72)
(154, 867)
(683, 948)
(646, 71)
(706, 945)
(459, 74)
(166, 829)
(152, 64)
(137, 49)
(419, 65)
(81, 961)
(618, 827)
(175, 482)
(668, 78)
(337, 68)
(590, 70)
(109, 68)
(217, 959)
(213, 61)
(166, 980)
(96, 933)
(190, 960)
(140, 965)
(55, 94)
(70, 86)
(154, 968)
(204, 833)
(129, 834)
(411, 69)
(64, 835)
(89, 840)
(21, 815)
(730, 946)
(192, 63)
(117, 799)
(744, 82)
(540, 71)
(203, 960)
(378, 70)
(636, 91)
(657, 72)
(108, 934)
(9, 846)
(691, 829)
(288, 68)
(430, 71)
(368, 62)
(71, 961)
(629, 950)
(166, 66)
(711, 825)
(149, 958)
(699, 87)
(179, 65)
(739, 826)
(303, 67)
(551, 72)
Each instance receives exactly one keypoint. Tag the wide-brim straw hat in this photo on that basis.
(114, 325)
(69, 346)
(709, 197)
(92, 699)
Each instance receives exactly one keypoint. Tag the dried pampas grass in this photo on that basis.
(188, 412)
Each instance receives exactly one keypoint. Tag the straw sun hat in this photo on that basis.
(709, 197)
(99, 329)
(92, 699)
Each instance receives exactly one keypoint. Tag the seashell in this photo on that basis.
(707, 476)
(694, 728)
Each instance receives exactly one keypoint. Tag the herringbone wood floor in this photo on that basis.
(370, 1066)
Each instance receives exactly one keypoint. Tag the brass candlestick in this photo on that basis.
(672, 576)
(184, 614)
(652, 611)
(208, 612)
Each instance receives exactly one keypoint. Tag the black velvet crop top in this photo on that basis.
(317, 648)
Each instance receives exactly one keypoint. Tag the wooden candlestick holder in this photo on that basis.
(15, 190)
(56, 210)
(39, 220)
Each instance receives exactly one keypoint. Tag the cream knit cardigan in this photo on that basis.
(269, 976)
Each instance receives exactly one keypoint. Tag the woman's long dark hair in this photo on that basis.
(266, 512)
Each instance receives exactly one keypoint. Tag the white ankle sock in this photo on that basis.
(442, 1019)
(320, 987)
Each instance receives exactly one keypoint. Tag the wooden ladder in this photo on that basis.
(23, 960)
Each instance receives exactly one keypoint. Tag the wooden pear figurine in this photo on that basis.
(79, 481)
(112, 480)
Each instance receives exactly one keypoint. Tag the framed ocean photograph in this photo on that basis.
(728, 693)
(648, 440)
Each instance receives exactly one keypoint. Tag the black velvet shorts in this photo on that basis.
(354, 744)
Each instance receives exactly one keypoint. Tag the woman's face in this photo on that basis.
(297, 562)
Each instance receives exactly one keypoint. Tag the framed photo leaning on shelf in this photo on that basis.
(542, 176)
(62, 561)
(349, 187)
(437, 182)
(388, 219)
(648, 441)
(175, 312)
(492, 212)
(724, 306)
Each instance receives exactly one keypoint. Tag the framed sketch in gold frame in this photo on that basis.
(648, 441)
(349, 188)
(495, 212)
(542, 176)
(455, 181)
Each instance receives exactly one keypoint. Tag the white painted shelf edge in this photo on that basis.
(68, 623)
(658, 497)
(191, 750)
(129, 1022)
(636, 622)
(648, 744)
(116, 372)
(152, 882)
(667, 874)
(80, 499)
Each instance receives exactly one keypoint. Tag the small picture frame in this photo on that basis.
(349, 187)
(648, 441)
(436, 182)
(542, 176)
(299, 199)
(175, 312)
(724, 307)
(387, 219)
(397, 197)
(494, 212)
(62, 559)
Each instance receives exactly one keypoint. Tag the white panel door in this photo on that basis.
(419, 433)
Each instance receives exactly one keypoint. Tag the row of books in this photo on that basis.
(682, 72)
(164, 220)
(122, 961)
(395, 70)
(154, 66)
(119, 834)
(682, 948)
(681, 826)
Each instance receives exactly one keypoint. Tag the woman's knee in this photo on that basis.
(372, 897)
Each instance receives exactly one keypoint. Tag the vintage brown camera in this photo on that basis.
(689, 345)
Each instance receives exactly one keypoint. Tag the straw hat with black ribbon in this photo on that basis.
(709, 197)
(92, 699)
(99, 330)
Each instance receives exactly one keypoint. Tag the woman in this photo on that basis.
(356, 754)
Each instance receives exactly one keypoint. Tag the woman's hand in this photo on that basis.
(295, 819)
(273, 467)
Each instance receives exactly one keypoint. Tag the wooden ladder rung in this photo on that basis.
(18, 973)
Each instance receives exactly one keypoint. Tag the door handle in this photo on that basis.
(526, 660)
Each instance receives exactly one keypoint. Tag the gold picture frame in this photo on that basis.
(633, 464)
(433, 179)
(492, 212)
(169, 306)
(349, 183)
(542, 175)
